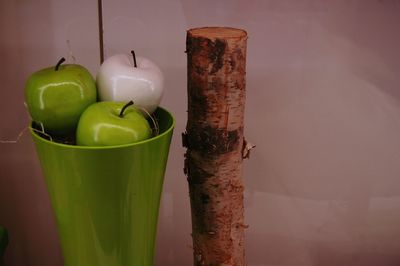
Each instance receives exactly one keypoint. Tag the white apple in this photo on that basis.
(119, 80)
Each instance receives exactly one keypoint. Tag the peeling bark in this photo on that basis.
(215, 143)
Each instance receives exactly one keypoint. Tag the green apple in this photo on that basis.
(112, 123)
(57, 96)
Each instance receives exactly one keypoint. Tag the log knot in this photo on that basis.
(211, 141)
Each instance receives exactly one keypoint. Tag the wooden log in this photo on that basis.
(215, 144)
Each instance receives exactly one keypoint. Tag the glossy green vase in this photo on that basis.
(106, 199)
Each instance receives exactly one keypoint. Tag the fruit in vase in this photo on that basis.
(122, 78)
(112, 123)
(57, 96)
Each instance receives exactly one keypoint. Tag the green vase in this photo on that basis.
(106, 199)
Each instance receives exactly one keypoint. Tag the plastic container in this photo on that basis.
(106, 199)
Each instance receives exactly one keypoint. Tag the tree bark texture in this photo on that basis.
(214, 141)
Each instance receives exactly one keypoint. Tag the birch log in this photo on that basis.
(215, 143)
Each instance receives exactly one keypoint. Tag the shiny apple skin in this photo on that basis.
(57, 99)
(119, 81)
(101, 125)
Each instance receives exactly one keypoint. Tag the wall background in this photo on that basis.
(323, 108)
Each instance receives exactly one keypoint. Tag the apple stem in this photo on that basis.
(121, 114)
(62, 60)
(134, 58)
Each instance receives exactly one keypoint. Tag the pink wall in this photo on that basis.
(323, 108)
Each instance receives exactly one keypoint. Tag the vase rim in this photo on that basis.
(79, 147)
